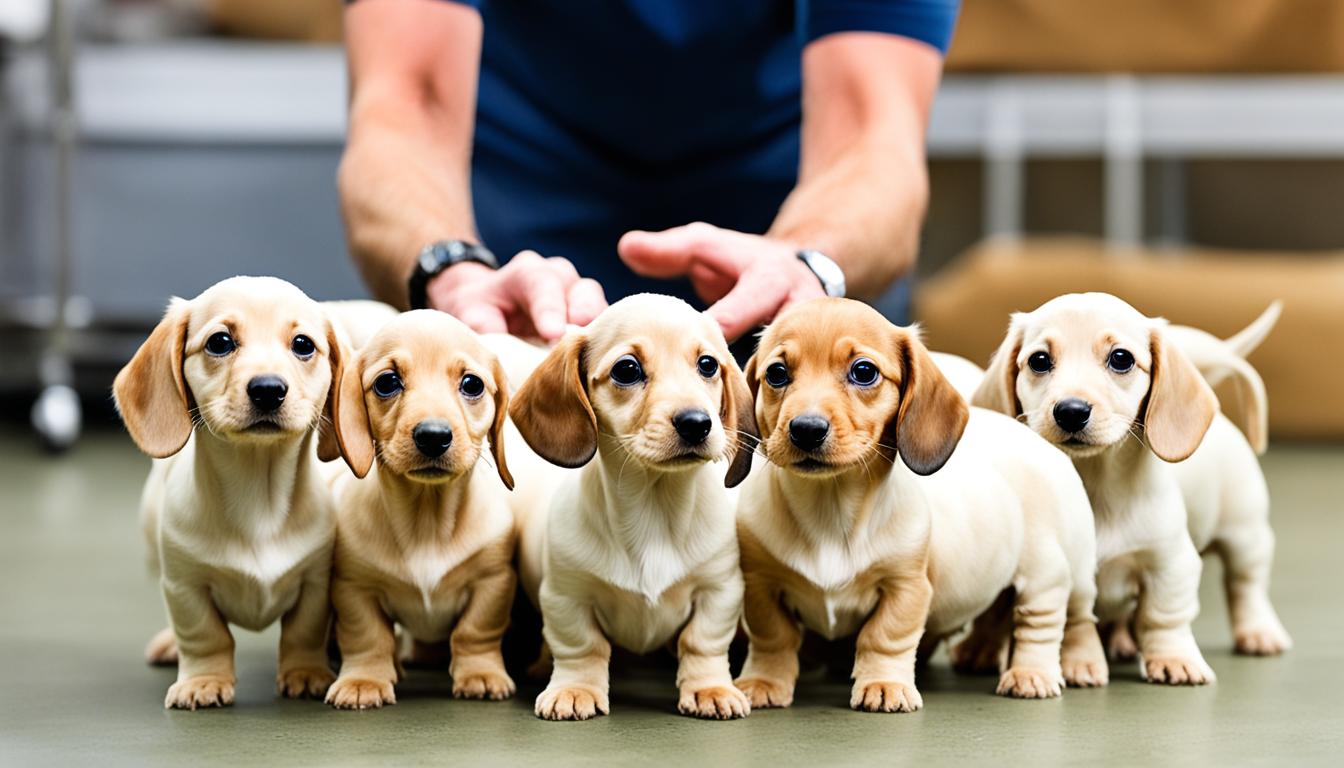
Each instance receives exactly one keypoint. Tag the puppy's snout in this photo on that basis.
(693, 426)
(1071, 414)
(432, 437)
(808, 431)
(267, 392)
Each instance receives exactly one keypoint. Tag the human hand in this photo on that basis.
(530, 296)
(747, 279)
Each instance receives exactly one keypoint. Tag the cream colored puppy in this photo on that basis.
(1107, 385)
(840, 537)
(638, 547)
(227, 394)
(424, 533)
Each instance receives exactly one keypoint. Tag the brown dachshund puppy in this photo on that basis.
(424, 532)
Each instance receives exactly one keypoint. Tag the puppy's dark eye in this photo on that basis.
(303, 347)
(863, 372)
(387, 384)
(777, 375)
(627, 372)
(472, 386)
(1040, 362)
(1120, 361)
(220, 344)
(707, 366)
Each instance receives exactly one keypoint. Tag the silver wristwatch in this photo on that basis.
(828, 272)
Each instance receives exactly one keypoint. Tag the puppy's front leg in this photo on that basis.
(1039, 616)
(771, 670)
(303, 669)
(477, 664)
(703, 678)
(205, 674)
(1168, 602)
(368, 649)
(884, 658)
(580, 675)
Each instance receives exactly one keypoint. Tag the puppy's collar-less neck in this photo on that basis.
(646, 508)
(279, 466)
(434, 503)
(834, 507)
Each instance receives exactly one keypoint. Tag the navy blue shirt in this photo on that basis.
(595, 117)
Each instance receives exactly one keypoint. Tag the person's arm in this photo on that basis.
(405, 177)
(862, 182)
(861, 193)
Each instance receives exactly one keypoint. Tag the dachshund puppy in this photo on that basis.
(840, 537)
(424, 535)
(638, 547)
(1109, 387)
(227, 394)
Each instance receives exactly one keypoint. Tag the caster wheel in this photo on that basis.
(57, 417)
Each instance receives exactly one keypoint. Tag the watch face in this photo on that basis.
(827, 271)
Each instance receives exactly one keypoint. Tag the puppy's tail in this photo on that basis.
(1222, 359)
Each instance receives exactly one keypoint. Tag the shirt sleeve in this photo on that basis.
(929, 21)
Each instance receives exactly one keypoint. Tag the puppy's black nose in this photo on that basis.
(432, 437)
(808, 432)
(693, 426)
(267, 392)
(1072, 414)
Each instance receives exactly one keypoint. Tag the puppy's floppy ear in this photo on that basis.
(551, 409)
(1180, 403)
(151, 391)
(328, 444)
(497, 427)
(929, 422)
(350, 417)
(998, 389)
(738, 412)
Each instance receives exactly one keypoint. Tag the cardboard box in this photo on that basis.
(1149, 36)
(965, 308)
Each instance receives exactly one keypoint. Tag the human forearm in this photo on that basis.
(864, 211)
(862, 184)
(405, 177)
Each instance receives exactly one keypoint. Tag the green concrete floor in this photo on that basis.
(77, 607)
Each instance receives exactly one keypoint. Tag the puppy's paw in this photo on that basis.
(977, 655)
(494, 686)
(162, 649)
(1085, 673)
(719, 702)
(360, 693)
(1120, 646)
(200, 692)
(764, 693)
(299, 682)
(571, 703)
(1264, 640)
(884, 696)
(1177, 670)
(1027, 683)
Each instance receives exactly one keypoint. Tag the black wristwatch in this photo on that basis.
(439, 256)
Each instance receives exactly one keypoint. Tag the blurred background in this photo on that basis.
(1188, 156)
